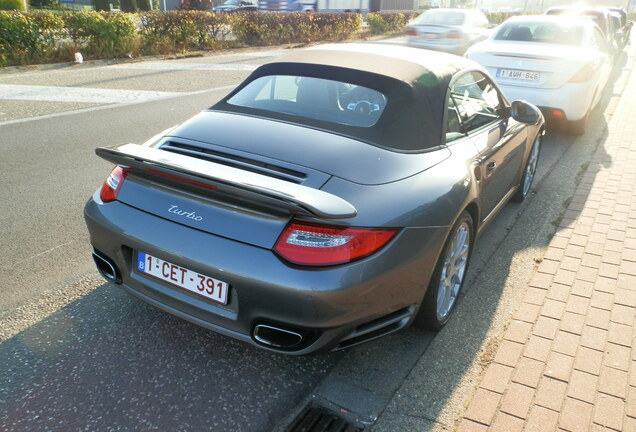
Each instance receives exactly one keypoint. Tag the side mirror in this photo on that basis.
(525, 112)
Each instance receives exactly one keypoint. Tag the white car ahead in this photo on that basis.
(560, 64)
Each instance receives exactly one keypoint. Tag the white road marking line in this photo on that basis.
(276, 53)
(187, 66)
(104, 107)
(40, 254)
(77, 94)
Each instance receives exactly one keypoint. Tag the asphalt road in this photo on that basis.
(78, 354)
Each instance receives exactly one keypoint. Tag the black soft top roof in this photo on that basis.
(415, 82)
(395, 61)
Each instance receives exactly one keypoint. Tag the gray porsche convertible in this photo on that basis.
(331, 198)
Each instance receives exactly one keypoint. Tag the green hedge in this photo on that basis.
(28, 38)
(101, 34)
(388, 22)
(40, 37)
(36, 37)
(168, 32)
(269, 28)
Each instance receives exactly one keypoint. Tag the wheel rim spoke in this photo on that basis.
(531, 168)
(453, 271)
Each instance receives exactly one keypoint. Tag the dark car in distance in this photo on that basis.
(625, 26)
(601, 16)
(329, 199)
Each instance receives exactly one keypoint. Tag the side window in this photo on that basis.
(477, 100)
(453, 126)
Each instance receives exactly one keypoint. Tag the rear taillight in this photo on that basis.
(411, 32)
(319, 245)
(453, 35)
(112, 185)
(585, 74)
(557, 113)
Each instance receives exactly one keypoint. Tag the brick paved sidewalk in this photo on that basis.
(568, 359)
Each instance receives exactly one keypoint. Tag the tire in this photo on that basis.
(529, 171)
(449, 275)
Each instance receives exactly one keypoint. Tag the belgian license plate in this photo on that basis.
(189, 280)
(518, 74)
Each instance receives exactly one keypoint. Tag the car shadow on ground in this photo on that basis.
(111, 362)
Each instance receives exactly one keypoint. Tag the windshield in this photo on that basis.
(441, 17)
(230, 2)
(313, 98)
(554, 33)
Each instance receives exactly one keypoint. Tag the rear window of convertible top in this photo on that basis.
(313, 98)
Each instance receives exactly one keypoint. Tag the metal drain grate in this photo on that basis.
(318, 419)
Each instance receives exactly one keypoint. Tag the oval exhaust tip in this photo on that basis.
(106, 268)
(277, 337)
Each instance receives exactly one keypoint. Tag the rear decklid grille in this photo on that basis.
(209, 153)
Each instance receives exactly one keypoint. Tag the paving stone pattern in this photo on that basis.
(567, 361)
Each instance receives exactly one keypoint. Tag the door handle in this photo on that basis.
(491, 165)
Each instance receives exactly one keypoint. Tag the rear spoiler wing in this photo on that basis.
(316, 202)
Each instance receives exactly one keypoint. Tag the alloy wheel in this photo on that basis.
(531, 167)
(453, 271)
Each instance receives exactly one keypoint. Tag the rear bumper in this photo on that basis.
(457, 48)
(574, 99)
(334, 304)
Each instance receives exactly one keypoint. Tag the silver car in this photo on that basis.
(448, 30)
(332, 196)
